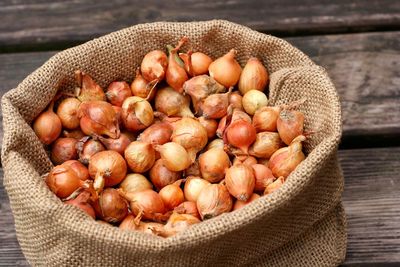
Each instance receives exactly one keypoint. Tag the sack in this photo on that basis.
(302, 224)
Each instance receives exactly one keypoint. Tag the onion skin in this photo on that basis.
(161, 176)
(239, 204)
(274, 186)
(47, 126)
(142, 88)
(67, 111)
(88, 89)
(266, 144)
(64, 149)
(80, 170)
(188, 207)
(210, 125)
(172, 103)
(117, 92)
(213, 164)
(240, 181)
(254, 100)
(253, 76)
(118, 145)
(176, 75)
(213, 201)
(135, 182)
(193, 187)
(156, 134)
(178, 223)
(140, 156)
(147, 202)
(174, 156)
(263, 176)
(81, 202)
(87, 148)
(154, 66)
(113, 206)
(172, 196)
(226, 70)
(240, 134)
(137, 113)
(63, 181)
(290, 124)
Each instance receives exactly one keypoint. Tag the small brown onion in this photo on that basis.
(290, 124)
(118, 114)
(254, 76)
(63, 181)
(135, 182)
(108, 168)
(154, 65)
(213, 200)
(117, 92)
(63, 149)
(131, 223)
(142, 88)
(210, 125)
(216, 143)
(98, 117)
(193, 186)
(274, 186)
(236, 115)
(265, 118)
(172, 103)
(147, 203)
(263, 176)
(286, 159)
(239, 204)
(213, 164)
(193, 169)
(266, 144)
(119, 145)
(140, 156)
(200, 63)
(226, 70)
(88, 89)
(240, 134)
(178, 223)
(156, 134)
(190, 134)
(80, 169)
(235, 99)
(47, 126)
(113, 206)
(188, 207)
(77, 134)
(67, 111)
(247, 160)
(240, 181)
(215, 106)
(161, 176)
(172, 195)
(174, 156)
(253, 100)
(87, 147)
(137, 113)
(176, 75)
(81, 202)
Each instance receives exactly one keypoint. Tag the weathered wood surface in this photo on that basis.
(25, 24)
(371, 201)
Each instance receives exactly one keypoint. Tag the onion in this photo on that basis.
(239, 204)
(290, 124)
(188, 207)
(172, 103)
(265, 145)
(286, 159)
(263, 161)
(254, 76)
(193, 169)
(63, 149)
(140, 156)
(108, 168)
(172, 195)
(131, 223)
(193, 186)
(235, 115)
(187, 61)
(216, 143)
(161, 176)
(154, 65)
(176, 74)
(240, 181)
(113, 206)
(98, 117)
(88, 89)
(240, 134)
(254, 100)
(135, 182)
(235, 99)
(226, 70)
(119, 145)
(67, 111)
(174, 156)
(47, 126)
(142, 88)
(137, 113)
(117, 92)
(190, 134)
(77, 134)
(63, 181)
(87, 147)
(200, 63)
(199, 87)
(148, 204)
(213, 200)
(213, 164)
(80, 170)
(210, 125)
(178, 223)
(215, 106)
(263, 176)
(81, 202)
(156, 134)
(265, 118)
(118, 114)
(274, 186)
(247, 160)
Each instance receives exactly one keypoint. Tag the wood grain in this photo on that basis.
(43, 23)
(371, 201)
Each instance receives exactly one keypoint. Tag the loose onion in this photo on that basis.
(178, 223)
(142, 88)
(213, 164)
(140, 156)
(80, 170)
(263, 176)
(77, 134)
(174, 156)
(172, 103)
(215, 106)
(156, 134)
(172, 195)
(210, 125)
(247, 160)
(193, 186)
(200, 63)
(235, 99)
(240, 134)
(148, 204)
(63, 149)
(240, 181)
(265, 118)
(47, 126)
(131, 223)
(226, 70)
(254, 100)
(254, 76)
(118, 145)
(154, 65)
(117, 92)
(216, 143)
(137, 113)
(274, 186)
(193, 169)
(63, 181)
(188, 207)
(67, 111)
(81, 202)
(239, 204)
(176, 75)
(161, 176)
(88, 89)
(113, 206)
(135, 182)
(213, 201)
(266, 144)
(290, 124)
(87, 147)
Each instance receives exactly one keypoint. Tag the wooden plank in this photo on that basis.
(27, 23)
(371, 198)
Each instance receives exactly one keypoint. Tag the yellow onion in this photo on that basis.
(239, 204)
(247, 160)
(172, 195)
(266, 144)
(263, 176)
(213, 200)
(210, 125)
(147, 203)
(161, 176)
(188, 207)
(81, 202)
(142, 88)
(140, 156)
(190, 134)
(63, 149)
(76, 134)
(240, 181)
(67, 111)
(235, 99)
(193, 169)
(156, 134)
(178, 223)
(47, 126)
(254, 76)
(88, 89)
(226, 70)
(265, 118)
(213, 164)
(87, 147)
(216, 143)
(113, 207)
(215, 106)
(196, 63)
(240, 134)
(80, 170)
(172, 103)
(154, 65)
(193, 186)
(119, 145)
(235, 115)
(174, 156)
(290, 124)
(254, 100)
(137, 113)
(135, 182)
(117, 92)
(176, 75)
(274, 186)
(131, 223)
(286, 159)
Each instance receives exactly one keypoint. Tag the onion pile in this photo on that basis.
(189, 139)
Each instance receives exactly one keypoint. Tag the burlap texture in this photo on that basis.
(302, 224)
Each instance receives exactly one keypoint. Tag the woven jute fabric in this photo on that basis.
(302, 224)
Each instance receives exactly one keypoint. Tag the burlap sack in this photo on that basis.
(302, 224)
